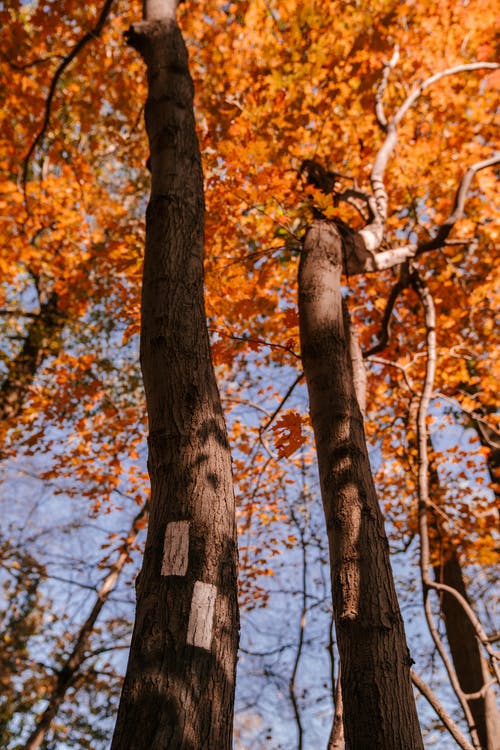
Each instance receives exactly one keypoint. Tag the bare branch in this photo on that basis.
(419, 90)
(427, 303)
(379, 105)
(397, 366)
(396, 290)
(458, 205)
(259, 342)
(445, 717)
(424, 503)
(373, 233)
(32, 63)
(281, 404)
(356, 199)
(300, 643)
(395, 256)
(69, 671)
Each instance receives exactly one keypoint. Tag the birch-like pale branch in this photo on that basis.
(373, 233)
(427, 303)
(424, 503)
(390, 258)
(379, 96)
(459, 204)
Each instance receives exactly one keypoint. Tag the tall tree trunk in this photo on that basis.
(379, 706)
(178, 692)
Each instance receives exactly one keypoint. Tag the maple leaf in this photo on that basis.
(288, 433)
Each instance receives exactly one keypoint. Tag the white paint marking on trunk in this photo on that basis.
(201, 617)
(175, 549)
(159, 10)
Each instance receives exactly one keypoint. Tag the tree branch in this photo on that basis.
(445, 717)
(424, 503)
(379, 104)
(458, 206)
(373, 233)
(420, 88)
(69, 670)
(66, 61)
(281, 404)
(396, 290)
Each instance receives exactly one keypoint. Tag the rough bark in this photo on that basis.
(179, 686)
(379, 706)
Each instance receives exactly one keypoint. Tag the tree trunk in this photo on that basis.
(43, 337)
(178, 692)
(470, 666)
(379, 706)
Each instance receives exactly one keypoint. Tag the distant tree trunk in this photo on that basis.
(470, 666)
(178, 692)
(378, 701)
(43, 337)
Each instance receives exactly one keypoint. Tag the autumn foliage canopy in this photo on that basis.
(278, 83)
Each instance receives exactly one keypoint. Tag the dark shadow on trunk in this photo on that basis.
(379, 706)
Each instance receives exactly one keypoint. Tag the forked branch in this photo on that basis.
(443, 714)
(424, 502)
(373, 233)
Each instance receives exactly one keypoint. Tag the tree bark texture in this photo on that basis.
(379, 706)
(178, 692)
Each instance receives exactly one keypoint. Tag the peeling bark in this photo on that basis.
(178, 692)
(379, 706)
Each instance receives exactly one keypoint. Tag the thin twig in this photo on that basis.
(282, 403)
(300, 644)
(259, 342)
(69, 671)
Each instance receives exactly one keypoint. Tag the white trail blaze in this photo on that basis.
(175, 549)
(201, 617)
